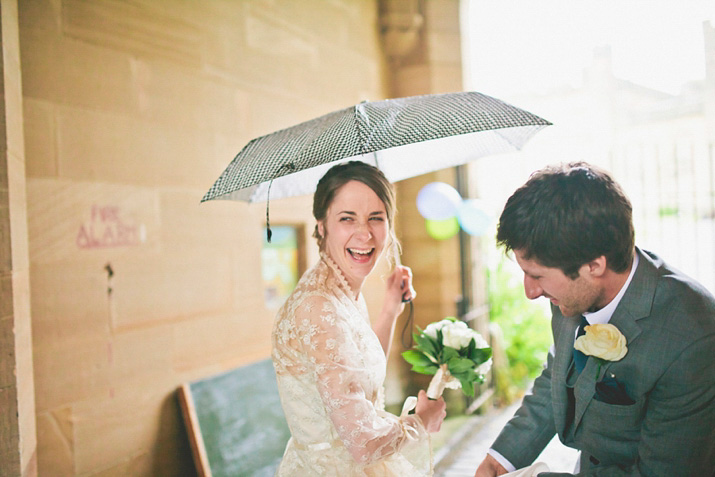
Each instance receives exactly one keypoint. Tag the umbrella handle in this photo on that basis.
(396, 254)
(407, 328)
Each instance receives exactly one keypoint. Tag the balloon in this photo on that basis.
(438, 201)
(472, 217)
(442, 229)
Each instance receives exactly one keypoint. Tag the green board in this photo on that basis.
(238, 421)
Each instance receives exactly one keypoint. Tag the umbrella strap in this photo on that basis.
(291, 167)
(407, 328)
(269, 233)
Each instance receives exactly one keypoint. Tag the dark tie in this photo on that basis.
(579, 359)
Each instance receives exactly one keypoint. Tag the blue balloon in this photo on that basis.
(473, 218)
(438, 201)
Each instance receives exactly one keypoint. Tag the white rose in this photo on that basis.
(432, 328)
(479, 341)
(484, 367)
(602, 341)
(457, 336)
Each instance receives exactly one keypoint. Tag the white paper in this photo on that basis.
(531, 471)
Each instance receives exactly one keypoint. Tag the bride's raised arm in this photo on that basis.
(399, 290)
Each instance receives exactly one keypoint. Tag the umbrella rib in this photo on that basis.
(359, 113)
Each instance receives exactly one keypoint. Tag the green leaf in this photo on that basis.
(416, 358)
(425, 369)
(458, 365)
(467, 386)
(448, 353)
(426, 344)
(472, 346)
(462, 375)
(480, 355)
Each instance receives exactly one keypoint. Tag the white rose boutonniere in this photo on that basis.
(604, 342)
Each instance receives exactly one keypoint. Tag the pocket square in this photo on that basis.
(610, 391)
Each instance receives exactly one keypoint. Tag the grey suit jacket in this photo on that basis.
(669, 371)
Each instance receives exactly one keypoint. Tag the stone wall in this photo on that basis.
(17, 399)
(131, 111)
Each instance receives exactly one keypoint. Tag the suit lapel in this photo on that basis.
(585, 387)
(635, 304)
(565, 330)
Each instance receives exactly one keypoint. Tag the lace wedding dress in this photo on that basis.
(330, 369)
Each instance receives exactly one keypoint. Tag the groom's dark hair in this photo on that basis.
(567, 215)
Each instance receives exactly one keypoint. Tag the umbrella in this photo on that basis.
(404, 137)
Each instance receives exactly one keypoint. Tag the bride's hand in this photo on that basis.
(432, 412)
(399, 290)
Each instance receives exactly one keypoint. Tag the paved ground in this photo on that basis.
(462, 455)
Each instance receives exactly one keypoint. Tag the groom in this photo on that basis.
(650, 412)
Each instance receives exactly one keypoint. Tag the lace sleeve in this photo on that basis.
(344, 383)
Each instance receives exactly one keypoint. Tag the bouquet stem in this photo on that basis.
(438, 383)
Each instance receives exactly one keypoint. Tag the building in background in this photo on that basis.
(660, 147)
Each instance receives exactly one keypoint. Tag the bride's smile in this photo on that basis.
(355, 231)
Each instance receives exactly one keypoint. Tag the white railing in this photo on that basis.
(672, 188)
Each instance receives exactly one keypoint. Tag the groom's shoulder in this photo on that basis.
(681, 303)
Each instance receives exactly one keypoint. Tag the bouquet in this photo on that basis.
(455, 354)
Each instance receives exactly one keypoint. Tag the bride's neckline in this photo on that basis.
(340, 276)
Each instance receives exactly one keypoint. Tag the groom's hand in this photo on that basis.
(489, 468)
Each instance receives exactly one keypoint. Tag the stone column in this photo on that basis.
(422, 45)
(18, 442)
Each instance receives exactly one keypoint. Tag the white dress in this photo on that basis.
(330, 369)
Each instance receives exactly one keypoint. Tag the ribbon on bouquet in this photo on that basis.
(410, 404)
(441, 380)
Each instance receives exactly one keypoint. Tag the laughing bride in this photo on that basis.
(330, 362)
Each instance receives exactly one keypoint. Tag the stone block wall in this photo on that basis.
(132, 110)
(118, 285)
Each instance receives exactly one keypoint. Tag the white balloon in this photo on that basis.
(438, 201)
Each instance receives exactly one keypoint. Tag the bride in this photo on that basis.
(330, 363)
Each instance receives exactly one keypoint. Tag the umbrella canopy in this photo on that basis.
(404, 137)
